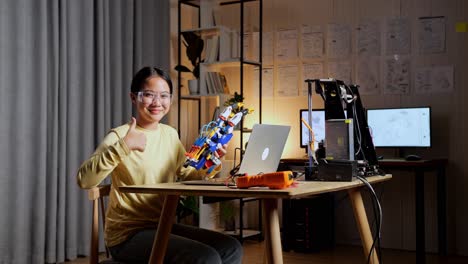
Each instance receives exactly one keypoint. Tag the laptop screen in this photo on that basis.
(264, 149)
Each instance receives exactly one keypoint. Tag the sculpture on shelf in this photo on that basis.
(213, 135)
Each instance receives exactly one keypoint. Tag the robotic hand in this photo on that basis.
(212, 136)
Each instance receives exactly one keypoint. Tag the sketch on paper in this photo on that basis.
(267, 82)
(431, 37)
(398, 36)
(340, 71)
(368, 37)
(435, 79)
(287, 80)
(312, 42)
(286, 45)
(397, 76)
(338, 40)
(311, 71)
(368, 72)
(267, 47)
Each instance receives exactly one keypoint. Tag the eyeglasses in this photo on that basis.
(148, 97)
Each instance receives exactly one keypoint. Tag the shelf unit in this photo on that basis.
(240, 62)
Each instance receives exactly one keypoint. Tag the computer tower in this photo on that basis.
(308, 224)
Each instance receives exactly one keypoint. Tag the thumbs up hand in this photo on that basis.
(135, 139)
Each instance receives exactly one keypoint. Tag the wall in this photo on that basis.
(448, 109)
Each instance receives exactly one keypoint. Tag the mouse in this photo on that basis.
(412, 157)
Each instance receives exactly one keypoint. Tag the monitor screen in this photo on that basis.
(400, 127)
(318, 126)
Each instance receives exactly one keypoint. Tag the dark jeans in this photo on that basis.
(187, 244)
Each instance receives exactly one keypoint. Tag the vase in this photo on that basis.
(193, 86)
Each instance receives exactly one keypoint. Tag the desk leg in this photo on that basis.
(362, 223)
(420, 225)
(441, 210)
(164, 229)
(273, 249)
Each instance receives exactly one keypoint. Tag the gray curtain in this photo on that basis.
(65, 72)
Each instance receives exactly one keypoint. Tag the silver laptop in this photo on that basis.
(264, 149)
(263, 152)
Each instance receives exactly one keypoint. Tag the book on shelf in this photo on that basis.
(212, 49)
(224, 83)
(219, 47)
(206, 12)
(216, 83)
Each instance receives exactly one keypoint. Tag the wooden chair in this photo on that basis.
(96, 195)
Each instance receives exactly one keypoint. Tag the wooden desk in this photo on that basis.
(419, 167)
(269, 198)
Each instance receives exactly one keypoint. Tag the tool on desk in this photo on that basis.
(274, 180)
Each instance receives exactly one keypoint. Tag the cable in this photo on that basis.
(377, 236)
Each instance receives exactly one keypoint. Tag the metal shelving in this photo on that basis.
(240, 62)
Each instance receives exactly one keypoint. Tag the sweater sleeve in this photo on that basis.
(103, 161)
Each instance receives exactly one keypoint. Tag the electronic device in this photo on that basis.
(308, 223)
(343, 101)
(263, 153)
(339, 141)
(273, 180)
(213, 135)
(412, 157)
(317, 124)
(400, 127)
(337, 170)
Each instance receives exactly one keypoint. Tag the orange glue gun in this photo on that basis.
(274, 180)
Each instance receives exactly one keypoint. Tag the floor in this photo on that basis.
(341, 254)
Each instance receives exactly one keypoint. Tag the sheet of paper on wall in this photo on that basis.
(312, 42)
(397, 75)
(368, 37)
(286, 45)
(267, 47)
(311, 71)
(340, 70)
(398, 36)
(433, 79)
(431, 34)
(368, 75)
(247, 50)
(338, 40)
(267, 82)
(287, 80)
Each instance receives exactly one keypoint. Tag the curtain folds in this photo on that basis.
(65, 73)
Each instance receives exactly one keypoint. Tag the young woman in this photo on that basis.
(145, 151)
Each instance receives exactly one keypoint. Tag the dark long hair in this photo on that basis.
(146, 72)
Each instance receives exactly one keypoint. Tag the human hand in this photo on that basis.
(135, 139)
(221, 151)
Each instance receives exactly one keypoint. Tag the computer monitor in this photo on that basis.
(400, 127)
(318, 126)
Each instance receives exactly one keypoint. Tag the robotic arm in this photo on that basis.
(212, 136)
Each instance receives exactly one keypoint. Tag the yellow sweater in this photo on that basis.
(161, 162)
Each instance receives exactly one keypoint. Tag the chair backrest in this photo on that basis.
(96, 195)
